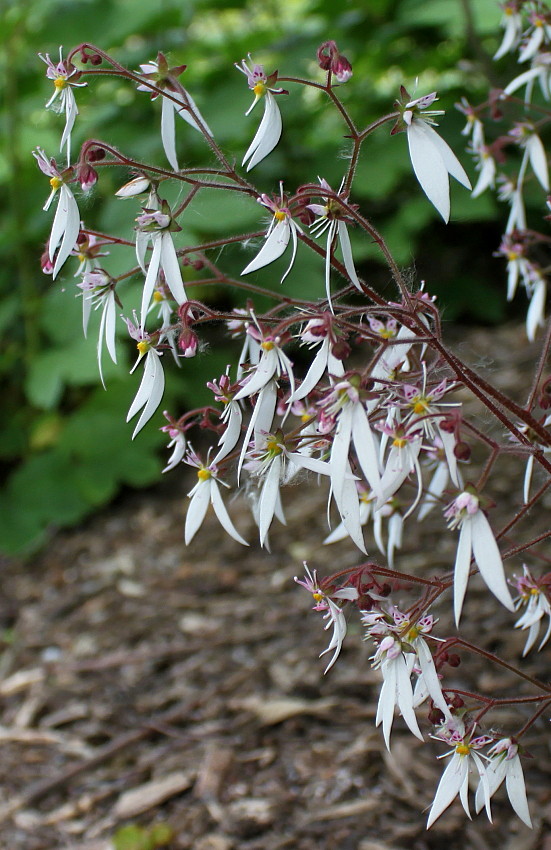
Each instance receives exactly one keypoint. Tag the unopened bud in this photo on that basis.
(457, 702)
(198, 265)
(462, 451)
(329, 59)
(87, 177)
(96, 59)
(454, 660)
(435, 717)
(341, 350)
(188, 342)
(45, 262)
(95, 154)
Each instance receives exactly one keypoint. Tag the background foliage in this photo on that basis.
(64, 444)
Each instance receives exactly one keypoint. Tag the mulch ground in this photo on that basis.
(143, 682)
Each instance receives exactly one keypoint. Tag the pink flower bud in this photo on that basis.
(188, 342)
(329, 59)
(87, 177)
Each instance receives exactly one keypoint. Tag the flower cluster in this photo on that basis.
(352, 391)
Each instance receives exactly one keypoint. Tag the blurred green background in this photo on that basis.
(64, 445)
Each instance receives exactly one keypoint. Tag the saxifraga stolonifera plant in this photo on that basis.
(385, 434)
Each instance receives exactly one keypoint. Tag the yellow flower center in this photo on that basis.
(260, 89)
(56, 182)
(318, 596)
(81, 258)
(60, 83)
(534, 591)
(272, 447)
(420, 405)
(279, 215)
(399, 442)
(305, 417)
(143, 346)
(203, 474)
(386, 333)
(413, 633)
(158, 296)
(463, 749)
(268, 345)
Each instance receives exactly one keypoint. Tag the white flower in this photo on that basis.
(269, 132)
(540, 71)
(512, 25)
(65, 76)
(176, 101)
(504, 764)
(431, 157)
(152, 385)
(98, 291)
(206, 492)
(455, 779)
(282, 229)
(475, 540)
(66, 223)
(272, 464)
(396, 690)
(331, 611)
(155, 225)
(331, 221)
(534, 597)
(178, 444)
(344, 406)
(535, 317)
(318, 332)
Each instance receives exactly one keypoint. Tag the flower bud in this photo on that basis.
(188, 342)
(87, 177)
(341, 350)
(95, 154)
(462, 451)
(329, 59)
(454, 660)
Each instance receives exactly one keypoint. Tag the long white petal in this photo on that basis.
(516, 789)
(488, 559)
(430, 676)
(346, 249)
(264, 372)
(230, 437)
(449, 786)
(462, 567)
(150, 278)
(434, 491)
(535, 314)
(192, 115)
(65, 227)
(268, 134)
(71, 112)
(429, 168)
(538, 160)
(107, 331)
(168, 132)
(315, 372)
(367, 448)
(222, 514)
(274, 246)
(404, 696)
(197, 510)
(171, 268)
(387, 700)
(452, 164)
(150, 392)
(268, 498)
